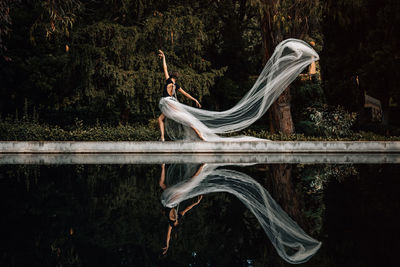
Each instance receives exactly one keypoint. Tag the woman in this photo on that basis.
(170, 91)
(286, 63)
(173, 216)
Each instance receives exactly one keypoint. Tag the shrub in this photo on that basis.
(11, 130)
(328, 121)
(28, 131)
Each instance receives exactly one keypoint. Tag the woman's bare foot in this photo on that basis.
(198, 134)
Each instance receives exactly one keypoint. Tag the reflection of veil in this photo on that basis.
(180, 172)
(290, 241)
(286, 63)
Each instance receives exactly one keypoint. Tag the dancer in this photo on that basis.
(173, 216)
(286, 63)
(169, 91)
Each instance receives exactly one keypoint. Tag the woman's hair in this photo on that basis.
(174, 75)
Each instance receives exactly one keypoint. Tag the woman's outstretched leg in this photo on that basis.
(198, 133)
(179, 111)
(161, 123)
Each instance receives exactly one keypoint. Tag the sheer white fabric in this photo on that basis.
(286, 63)
(289, 240)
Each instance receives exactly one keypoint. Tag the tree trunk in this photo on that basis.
(280, 112)
(283, 192)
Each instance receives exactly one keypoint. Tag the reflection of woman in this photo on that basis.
(172, 214)
(290, 241)
(170, 91)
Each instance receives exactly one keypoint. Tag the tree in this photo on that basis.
(118, 67)
(5, 23)
(106, 66)
(281, 19)
(357, 45)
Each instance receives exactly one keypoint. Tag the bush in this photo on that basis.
(305, 93)
(324, 120)
(12, 130)
(360, 136)
(28, 131)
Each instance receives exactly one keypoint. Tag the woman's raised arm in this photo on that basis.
(162, 56)
(165, 249)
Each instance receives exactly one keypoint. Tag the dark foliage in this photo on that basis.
(96, 61)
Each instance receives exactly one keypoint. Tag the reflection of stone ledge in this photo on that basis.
(237, 158)
(48, 147)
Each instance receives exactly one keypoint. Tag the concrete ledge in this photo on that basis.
(259, 158)
(47, 147)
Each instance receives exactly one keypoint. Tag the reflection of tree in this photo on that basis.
(362, 225)
(106, 206)
(299, 190)
(116, 217)
(314, 179)
(284, 192)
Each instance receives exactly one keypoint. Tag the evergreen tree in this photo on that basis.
(106, 65)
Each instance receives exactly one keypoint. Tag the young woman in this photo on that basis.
(169, 90)
(290, 57)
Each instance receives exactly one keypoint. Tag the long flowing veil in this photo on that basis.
(289, 240)
(286, 63)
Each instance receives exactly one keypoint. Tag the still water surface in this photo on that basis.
(112, 215)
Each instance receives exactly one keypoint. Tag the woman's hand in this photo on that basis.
(161, 54)
(197, 103)
(165, 250)
(199, 198)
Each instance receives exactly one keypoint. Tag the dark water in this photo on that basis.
(111, 215)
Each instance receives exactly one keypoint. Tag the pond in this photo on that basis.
(241, 210)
